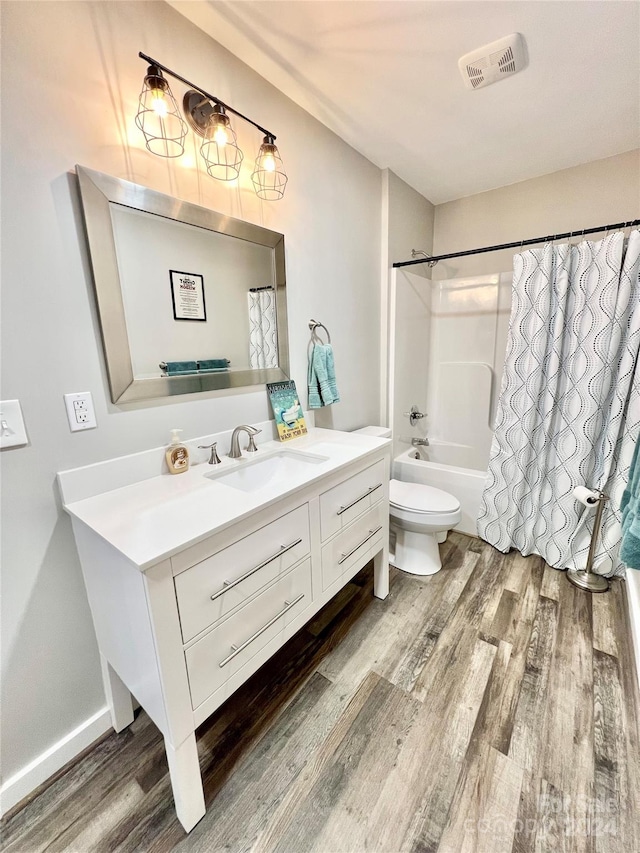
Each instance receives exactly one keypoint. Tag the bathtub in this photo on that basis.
(465, 483)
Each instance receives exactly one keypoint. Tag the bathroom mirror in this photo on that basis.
(189, 300)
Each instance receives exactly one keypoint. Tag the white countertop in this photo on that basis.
(150, 520)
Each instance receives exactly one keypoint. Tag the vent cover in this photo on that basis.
(493, 62)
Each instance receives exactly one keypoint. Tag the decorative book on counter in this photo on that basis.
(287, 409)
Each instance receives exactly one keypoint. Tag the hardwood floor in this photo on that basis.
(492, 707)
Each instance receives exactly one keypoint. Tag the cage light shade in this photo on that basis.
(269, 177)
(158, 116)
(220, 150)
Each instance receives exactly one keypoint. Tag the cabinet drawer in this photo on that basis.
(350, 546)
(345, 502)
(217, 586)
(225, 649)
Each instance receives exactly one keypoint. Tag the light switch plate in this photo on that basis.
(80, 411)
(13, 432)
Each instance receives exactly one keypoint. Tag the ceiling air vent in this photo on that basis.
(493, 62)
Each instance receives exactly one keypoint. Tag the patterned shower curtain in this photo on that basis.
(569, 408)
(263, 330)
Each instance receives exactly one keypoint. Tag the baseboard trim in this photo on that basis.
(30, 777)
(633, 601)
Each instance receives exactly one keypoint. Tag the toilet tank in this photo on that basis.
(377, 431)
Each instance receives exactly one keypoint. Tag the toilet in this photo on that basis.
(421, 517)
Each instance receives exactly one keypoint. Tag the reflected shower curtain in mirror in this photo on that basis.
(569, 408)
(263, 330)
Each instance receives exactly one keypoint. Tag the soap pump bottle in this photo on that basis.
(177, 454)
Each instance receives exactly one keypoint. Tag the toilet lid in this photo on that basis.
(419, 498)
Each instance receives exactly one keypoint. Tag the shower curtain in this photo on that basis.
(569, 408)
(263, 331)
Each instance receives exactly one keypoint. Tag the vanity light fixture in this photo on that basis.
(158, 116)
(165, 130)
(220, 149)
(269, 177)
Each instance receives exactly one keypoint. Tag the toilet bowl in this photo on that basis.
(420, 516)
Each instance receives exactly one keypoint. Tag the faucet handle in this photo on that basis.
(251, 447)
(214, 459)
(414, 415)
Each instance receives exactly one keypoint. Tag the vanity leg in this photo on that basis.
(118, 697)
(186, 781)
(381, 573)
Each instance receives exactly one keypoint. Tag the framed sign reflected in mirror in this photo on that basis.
(189, 300)
(187, 296)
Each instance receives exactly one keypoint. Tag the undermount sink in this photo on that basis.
(279, 468)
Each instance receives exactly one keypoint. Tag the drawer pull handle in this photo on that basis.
(372, 533)
(357, 500)
(231, 584)
(235, 650)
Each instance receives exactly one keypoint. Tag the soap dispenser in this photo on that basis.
(177, 454)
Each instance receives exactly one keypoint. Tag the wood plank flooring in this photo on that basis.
(491, 708)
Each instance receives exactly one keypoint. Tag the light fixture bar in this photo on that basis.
(229, 109)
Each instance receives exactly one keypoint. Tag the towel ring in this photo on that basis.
(314, 324)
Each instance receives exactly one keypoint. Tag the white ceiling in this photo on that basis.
(384, 77)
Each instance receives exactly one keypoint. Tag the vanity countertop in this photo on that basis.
(156, 517)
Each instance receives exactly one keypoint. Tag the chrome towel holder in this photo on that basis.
(315, 324)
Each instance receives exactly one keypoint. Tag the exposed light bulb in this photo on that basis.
(269, 163)
(220, 135)
(159, 103)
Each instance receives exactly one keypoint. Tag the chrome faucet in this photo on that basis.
(420, 442)
(235, 452)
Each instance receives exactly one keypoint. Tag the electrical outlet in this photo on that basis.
(80, 411)
(13, 432)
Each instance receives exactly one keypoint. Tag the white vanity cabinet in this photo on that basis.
(184, 615)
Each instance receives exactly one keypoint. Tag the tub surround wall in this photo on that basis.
(86, 83)
(409, 351)
(468, 334)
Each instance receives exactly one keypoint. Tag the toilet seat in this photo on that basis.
(421, 499)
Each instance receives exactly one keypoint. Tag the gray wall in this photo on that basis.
(411, 218)
(71, 80)
(585, 196)
(407, 223)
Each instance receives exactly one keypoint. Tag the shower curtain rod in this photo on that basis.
(518, 244)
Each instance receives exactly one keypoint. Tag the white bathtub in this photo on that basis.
(465, 483)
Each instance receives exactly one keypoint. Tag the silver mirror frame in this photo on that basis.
(97, 191)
